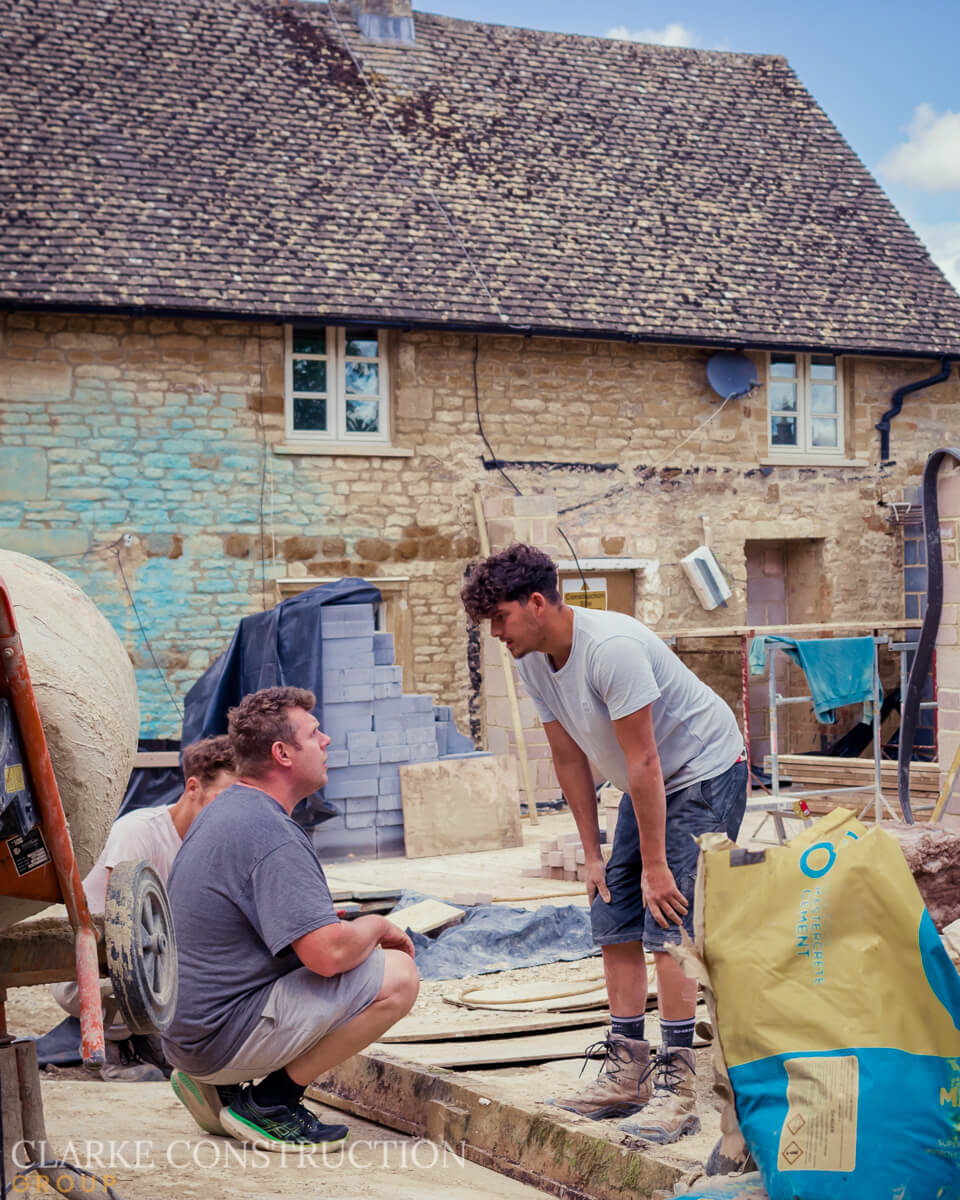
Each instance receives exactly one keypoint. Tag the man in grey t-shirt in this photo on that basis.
(612, 696)
(273, 986)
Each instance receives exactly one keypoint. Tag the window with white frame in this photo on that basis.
(336, 385)
(805, 403)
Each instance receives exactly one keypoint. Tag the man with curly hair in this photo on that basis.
(274, 987)
(612, 696)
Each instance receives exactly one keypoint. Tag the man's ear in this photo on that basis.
(278, 752)
(193, 787)
(538, 601)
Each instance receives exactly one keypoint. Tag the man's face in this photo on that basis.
(514, 622)
(309, 755)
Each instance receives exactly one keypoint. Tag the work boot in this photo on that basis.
(672, 1111)
(622, 1085)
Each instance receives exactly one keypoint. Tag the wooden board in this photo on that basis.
(477, 1023)
(496, 1052)
(461, 805)
(426, 916)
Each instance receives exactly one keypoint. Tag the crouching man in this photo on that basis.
(273, 986)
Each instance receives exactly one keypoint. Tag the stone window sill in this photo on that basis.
(339, 449)
(810, 460)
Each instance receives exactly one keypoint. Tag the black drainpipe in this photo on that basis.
(884, 423)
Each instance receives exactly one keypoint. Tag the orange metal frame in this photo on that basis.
(15, 682)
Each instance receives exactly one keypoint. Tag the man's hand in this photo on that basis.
(596, 881)
(394, 938)
(664, 900)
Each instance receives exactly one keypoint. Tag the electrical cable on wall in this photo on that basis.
(116, 547)
(263, 476)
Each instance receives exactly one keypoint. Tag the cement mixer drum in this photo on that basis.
(86, 694)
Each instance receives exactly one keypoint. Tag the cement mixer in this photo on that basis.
(68, 739)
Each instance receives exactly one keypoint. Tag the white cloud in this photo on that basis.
(671, 35)
(930, 158)
(942, 239)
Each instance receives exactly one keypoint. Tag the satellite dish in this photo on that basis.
(732, 375)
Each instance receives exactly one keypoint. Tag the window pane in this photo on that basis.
(783, 397)
(310, 412)
(824, 432)
(309, 375)
(309, 341)
(823, 398)
(783, 366)
(783, 431)
(362, 342)
(362, 379)
(363, 416)
(822, 368)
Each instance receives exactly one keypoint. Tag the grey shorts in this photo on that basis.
(712, 805)
(300, 1009)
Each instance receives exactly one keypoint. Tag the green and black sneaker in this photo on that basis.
(204, 1101)
(280, 1126)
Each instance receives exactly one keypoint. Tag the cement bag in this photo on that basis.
(87, 697)
(838, 1015)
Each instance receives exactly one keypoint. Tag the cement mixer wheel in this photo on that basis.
(140, 947)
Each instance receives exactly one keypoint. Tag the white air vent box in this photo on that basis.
(706, 578)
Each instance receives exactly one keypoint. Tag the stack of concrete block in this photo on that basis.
(563, 857)
(374, 729)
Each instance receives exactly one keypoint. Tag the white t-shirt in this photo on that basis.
(616, 667)
(147, 834)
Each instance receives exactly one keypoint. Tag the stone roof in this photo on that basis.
(229, 157)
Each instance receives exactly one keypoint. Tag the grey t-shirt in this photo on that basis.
(244, 885)
(616, 667)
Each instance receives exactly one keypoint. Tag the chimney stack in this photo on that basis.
(385, 20)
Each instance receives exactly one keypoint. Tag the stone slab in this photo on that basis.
(473, 804)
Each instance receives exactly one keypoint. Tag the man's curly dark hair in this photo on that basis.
(513, 574)
(260, 719)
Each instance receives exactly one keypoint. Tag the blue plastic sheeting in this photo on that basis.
(494, 938)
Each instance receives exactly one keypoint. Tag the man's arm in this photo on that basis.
(660, 892)
(342, 945)
(576, 782)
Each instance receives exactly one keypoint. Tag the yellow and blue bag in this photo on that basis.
(837, 1013)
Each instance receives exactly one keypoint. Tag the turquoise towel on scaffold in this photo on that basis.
(838, 670)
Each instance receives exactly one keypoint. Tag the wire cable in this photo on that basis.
(623, 487)
(115, 547)
(418, 180)
(263, 476)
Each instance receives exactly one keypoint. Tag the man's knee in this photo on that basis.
(401, 980)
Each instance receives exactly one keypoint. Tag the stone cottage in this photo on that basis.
(284, 284)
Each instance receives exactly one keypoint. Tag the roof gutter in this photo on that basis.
(883, 425)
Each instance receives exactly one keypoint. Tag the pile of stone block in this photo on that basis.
(374, 728)
(563, 857)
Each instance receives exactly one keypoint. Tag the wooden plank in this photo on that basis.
(157, 758)
(539, 1146)
(478, 1023)
(461, 805)
(495, 1052)
(426, 916)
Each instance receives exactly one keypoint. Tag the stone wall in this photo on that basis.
(139, 455)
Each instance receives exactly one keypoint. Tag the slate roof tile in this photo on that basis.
(229, 157)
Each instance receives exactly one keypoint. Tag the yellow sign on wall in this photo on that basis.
(595, 596)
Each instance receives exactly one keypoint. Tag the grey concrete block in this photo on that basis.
(390, 737)
(390, 785)
(386, 691)
(425, 752)
(364, 755)
(350, 789)
(391, 706)
(351, 774)
(442, 729)
(342, 653)
(390, 818)
(340, 614)
(362, 804)
(390, 802)
(390, 839)
(415, 734)
(387, 674)
(467, 754)
(349, 693)
(336, 822)
(383, 650)
(345, 676)
(361, 740)
(336, 757)
(394, 754)
(442, 712)
(423, 704)
(361, 820)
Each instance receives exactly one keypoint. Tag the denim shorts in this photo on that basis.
(711, 806)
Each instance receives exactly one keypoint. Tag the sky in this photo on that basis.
(885, 73)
